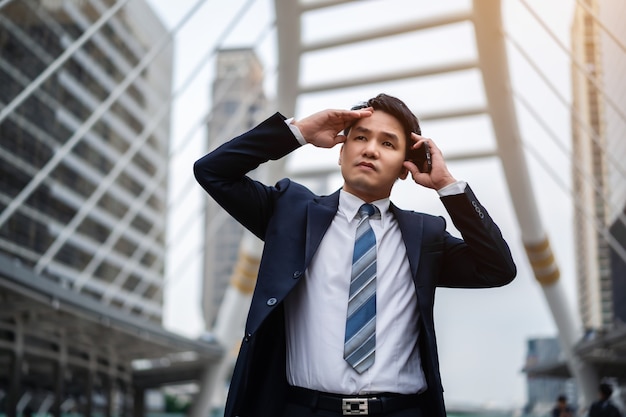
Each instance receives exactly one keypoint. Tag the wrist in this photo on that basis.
(445, 183)
(457, 187)
(295, 130)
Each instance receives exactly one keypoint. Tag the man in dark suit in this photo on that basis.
(291, 361)
(603, 407)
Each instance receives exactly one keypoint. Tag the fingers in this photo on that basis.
(348, 117)
(419, 140)
(439, 176)
(412, 168)
(324, 128)
(366, 112)
(335, 119)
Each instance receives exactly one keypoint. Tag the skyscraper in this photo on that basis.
(84, 136)
(95, 221)
(599, 161)
(238, 100)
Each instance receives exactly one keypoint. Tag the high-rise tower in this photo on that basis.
(96, 221)
(599, 161)
(238, 101)
(84, 136)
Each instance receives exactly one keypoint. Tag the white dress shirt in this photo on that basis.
(316, 312)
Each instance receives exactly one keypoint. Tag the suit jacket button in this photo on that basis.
(297, 274)
(271, 301)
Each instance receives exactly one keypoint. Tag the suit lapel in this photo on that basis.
(411, 227)
(321, 212)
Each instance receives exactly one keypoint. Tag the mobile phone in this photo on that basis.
(421, 157)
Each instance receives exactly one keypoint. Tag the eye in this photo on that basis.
(388, 144)
(360, 138)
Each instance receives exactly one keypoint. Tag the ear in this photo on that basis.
(340, 153)
(404, 172)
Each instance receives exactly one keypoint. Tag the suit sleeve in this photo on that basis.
(482, 258)
(223, 172)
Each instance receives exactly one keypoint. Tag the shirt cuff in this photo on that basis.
(452, 189)
(296, 132)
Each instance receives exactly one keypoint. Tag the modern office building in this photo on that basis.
(599, 161)
(238, 101)
(614, 62)
(599, 182)
(84, 133)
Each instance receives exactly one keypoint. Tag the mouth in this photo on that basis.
(366, 165)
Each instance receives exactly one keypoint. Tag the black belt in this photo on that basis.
(352, 405)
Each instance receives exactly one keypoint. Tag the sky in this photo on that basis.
(482, 334)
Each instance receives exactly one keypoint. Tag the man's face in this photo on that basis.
(371, 157)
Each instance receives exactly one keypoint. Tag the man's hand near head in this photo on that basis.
(439, 177)
(324, 129)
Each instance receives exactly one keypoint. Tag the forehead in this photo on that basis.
(380, 122)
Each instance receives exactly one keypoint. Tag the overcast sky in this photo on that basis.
(482, 334)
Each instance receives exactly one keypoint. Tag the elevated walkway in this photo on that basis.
(54, 340)
(605, 351)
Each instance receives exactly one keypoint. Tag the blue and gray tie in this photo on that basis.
(360, 340)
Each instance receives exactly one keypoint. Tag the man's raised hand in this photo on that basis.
(324, 129)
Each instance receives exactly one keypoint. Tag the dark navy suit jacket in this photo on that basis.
(291, 220)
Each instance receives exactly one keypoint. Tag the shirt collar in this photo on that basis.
(349, 205)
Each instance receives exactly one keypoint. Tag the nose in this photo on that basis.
(371, 149)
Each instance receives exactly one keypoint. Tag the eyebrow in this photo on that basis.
(388, 135)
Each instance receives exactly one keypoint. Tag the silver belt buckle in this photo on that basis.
(354, 406)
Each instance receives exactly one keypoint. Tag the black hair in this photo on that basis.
(606, 390)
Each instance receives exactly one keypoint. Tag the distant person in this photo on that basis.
(337, 328)
(604, 407)
(562, 408)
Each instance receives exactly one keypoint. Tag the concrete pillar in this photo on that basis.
(15, 384)
(139, 402)
(59, 388)
(229, 324)
(108, 385)
(88, 412)
(60, 369)
(16, 367)
(124, 390)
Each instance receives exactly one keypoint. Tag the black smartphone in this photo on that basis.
(421, 157)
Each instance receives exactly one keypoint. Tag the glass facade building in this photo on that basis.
(599, 186)
(85, 90)
(238, 103)
(83, 197)
(599, 156)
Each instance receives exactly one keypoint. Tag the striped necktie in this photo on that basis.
(360, 338)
